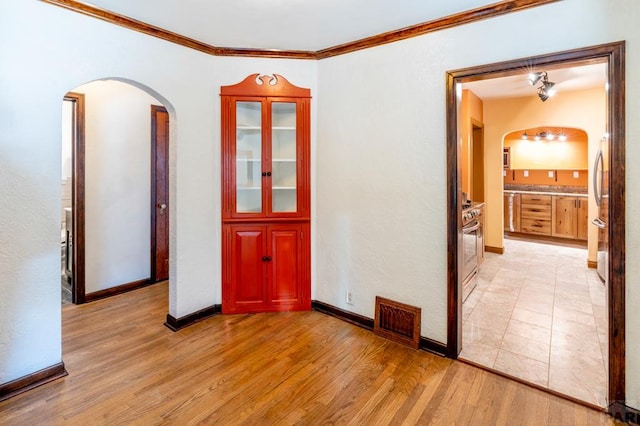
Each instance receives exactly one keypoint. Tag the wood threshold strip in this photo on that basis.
(31, 381)
(367, 323)
(461, 18)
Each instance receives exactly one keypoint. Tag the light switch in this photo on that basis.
(550, 173)
(504, 172)
(526, 173)
(576, 175)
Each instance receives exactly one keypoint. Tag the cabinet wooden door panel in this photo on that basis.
(248, 289)
(284, 275)
(564, 217)
(583, 218)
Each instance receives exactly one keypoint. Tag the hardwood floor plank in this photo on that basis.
(126, 368)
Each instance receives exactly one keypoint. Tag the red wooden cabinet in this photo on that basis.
(265, 196)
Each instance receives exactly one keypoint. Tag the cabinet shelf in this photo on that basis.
(243, 127)
(285, 187)
(283, 128)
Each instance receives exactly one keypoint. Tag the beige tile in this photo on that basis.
(533, 332)
(575, 304)
(522, 367)
(570, 315)
(472, 333)
(530, 317)
(535, 294)
(581, 377)
(526, 347)
(535, 306)
(488, 319)
(479, 353)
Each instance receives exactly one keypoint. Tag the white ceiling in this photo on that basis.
(284, 24)
(566, 79)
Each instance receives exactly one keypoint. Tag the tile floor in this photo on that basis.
(539, 314)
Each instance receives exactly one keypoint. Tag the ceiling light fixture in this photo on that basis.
(545, 90)
(562, 137)
(525, 136)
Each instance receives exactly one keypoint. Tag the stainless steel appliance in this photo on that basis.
(471, 237)
(601, 195)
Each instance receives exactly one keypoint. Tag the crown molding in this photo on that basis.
(466, 17)
(457, 19)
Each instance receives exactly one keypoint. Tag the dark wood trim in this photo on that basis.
(108, 292)
(350, 317)
(133, 24)
(144, 28)
(454, 225)
(175, 324)
(267, 53)
(78, 199)
(367, 323)
(491, 249)
(624, 413)
(31, 381)
(433, 346)
(461, 18)
(155, 109)
(533, 385)
(614, 55)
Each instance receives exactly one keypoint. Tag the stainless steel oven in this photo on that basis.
(471, 234)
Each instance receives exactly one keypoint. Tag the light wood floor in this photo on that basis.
(125, 367)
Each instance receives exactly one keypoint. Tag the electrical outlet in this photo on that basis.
(348, 297)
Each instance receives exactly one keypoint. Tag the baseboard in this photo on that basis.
(350, 317)
(175, 324)
(367, 323)
(490, 249)
(108, 292)
(31, 381)
(622, 412)
(592, 264)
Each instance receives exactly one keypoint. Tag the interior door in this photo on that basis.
(159, 194)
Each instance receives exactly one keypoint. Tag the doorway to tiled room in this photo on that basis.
(539, 312)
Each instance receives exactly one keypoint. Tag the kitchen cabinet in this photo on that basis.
(569, 218)
(265, 195)
(511, 212)
(535, 214)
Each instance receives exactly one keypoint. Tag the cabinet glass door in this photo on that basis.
(283, 157)
(249, 157)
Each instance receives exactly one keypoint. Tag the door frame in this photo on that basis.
(78, 197)
(613, 54)
(155, 109)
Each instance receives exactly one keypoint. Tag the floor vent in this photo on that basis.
(397, 321)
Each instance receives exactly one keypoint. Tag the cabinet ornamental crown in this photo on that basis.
(265, 85)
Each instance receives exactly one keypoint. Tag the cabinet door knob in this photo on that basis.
(266, 258)
(264, 174)
(268, 173)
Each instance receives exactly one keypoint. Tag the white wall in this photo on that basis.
(381, 160)
(379, 167)
(47, 51)
(117, 183)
